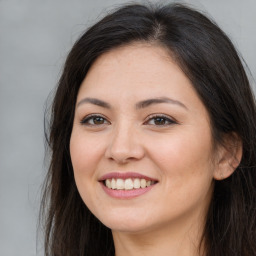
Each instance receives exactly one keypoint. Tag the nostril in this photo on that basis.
(124, 156)
(124, 147)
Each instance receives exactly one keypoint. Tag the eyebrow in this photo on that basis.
(146, 103)
(139, 105)
(94, 101)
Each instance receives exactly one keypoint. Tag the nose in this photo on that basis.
(124, 145)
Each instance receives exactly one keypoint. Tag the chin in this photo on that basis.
(125, 222)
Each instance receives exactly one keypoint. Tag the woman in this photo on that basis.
(153, 141)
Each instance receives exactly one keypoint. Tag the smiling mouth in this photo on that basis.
(128, 184)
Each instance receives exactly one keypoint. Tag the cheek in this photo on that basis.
(182, 149)
(85, 152)
(185, 160)
(186, 174)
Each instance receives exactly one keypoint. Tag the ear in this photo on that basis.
(229, 155)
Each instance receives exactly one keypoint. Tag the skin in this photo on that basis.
(168, 219)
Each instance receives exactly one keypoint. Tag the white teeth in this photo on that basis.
(108, 183)
(119, 184)
(128, 184)
(143, 183)
(113, 184)
(136, 183)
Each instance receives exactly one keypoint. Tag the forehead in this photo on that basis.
(136, 67)
(142, 52)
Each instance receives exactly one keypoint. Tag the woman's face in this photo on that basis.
(141, 144)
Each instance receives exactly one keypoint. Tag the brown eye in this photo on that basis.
(98, 120)
(160, 121)
(94, 120)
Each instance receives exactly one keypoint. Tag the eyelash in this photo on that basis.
(86, 120)
(162, 117)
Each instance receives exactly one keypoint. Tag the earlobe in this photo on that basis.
(229, 156)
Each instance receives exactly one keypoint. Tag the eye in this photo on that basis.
(94, 120)
(160, 120)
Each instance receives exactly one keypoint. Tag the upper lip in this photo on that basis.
(125, 175)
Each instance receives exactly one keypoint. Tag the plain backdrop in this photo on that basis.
(35, 37)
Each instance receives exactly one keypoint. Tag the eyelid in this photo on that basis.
(171, 120)
(90, 116)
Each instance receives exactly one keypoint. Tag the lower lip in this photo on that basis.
(126, 194)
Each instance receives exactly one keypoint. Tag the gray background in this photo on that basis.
(35, 36)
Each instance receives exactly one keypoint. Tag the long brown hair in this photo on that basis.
(210, 61)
